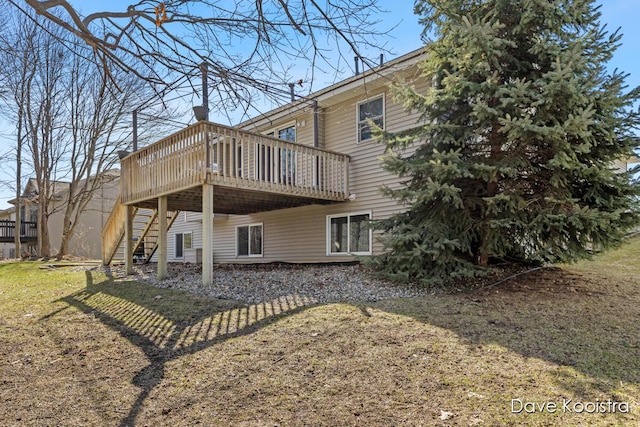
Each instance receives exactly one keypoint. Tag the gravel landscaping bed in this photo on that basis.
(254, 284)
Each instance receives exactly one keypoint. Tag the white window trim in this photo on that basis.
(348, 214)
(175, 239)
(261, 224)
(384, 115)
(184, 248)
(184, 241)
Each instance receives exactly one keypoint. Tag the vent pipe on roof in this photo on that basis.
(381, 59)
(203, 111)
(135, 130)
(355, 58)
(316, 137)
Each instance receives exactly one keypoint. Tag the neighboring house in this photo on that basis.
(28, 230)
(86, 242)
(7, 233)
(297, 184)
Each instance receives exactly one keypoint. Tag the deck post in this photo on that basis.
(162, 237)
(207, 234)
(128, 240)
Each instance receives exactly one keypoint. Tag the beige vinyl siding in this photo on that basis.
(289, 235)
(304, 129)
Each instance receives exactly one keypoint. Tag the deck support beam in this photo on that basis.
(207, 234)
(162, 237)
(128, 240)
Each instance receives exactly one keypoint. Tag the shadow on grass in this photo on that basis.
(166, 324)
(586, 325)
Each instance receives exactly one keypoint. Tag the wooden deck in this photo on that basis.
(28, 231)
(250, 172)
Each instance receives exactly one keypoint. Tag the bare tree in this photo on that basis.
(17, 73)
(248, 45)
(70, 117)
(98, 120)
(44, 122)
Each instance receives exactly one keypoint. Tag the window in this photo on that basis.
(349, 234)
(288, 166)
(370, 110)
(284, 170)
(288, 133)
(182, 241)
(249, 240)
(288, 157)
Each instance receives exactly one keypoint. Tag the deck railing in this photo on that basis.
(28, 230)
(113, 231)
(230, 157)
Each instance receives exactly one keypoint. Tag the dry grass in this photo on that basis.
(79, 348)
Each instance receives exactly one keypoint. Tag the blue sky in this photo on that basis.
(405, 37)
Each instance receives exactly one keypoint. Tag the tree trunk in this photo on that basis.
(18, 227)
(44, 243)
(67, 234)
(492, 190)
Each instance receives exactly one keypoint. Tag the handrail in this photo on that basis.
(113, 231)
(222, 155)
(28, 229)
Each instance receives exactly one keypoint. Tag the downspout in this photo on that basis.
(316, 136)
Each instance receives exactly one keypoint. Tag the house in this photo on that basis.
(297, 184)
(28, 232)
(85, 243)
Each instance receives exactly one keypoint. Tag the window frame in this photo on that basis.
(359, 122)
(267, 159)
(275, 131)
(184, 243)
(348, 215)
(249, 226)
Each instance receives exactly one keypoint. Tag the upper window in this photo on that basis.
(277, 165)
(286, 132)
(249, 240)
(349, 234)
(373, 110)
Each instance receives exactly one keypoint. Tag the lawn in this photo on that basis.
(81, 348)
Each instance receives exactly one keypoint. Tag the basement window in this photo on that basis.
(249, 240)
(182, 241)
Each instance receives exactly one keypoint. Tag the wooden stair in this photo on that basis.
(145, 233)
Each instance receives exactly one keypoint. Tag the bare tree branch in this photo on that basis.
(250, 46)
(70, 116)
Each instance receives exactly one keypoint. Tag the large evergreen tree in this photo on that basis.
(517, 161)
